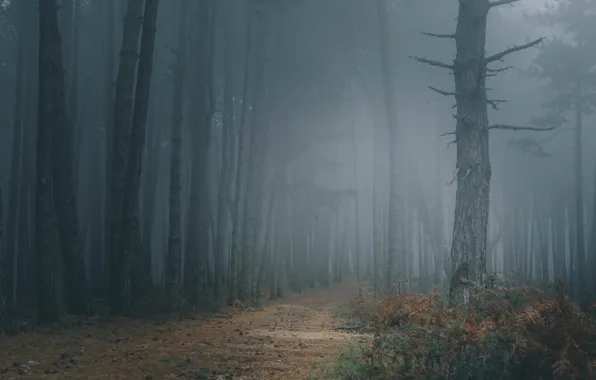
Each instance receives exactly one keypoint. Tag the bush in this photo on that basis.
(503, 333)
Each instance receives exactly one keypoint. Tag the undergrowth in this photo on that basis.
(504, 333)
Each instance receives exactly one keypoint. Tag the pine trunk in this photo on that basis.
(236, 262)
(174, 258)
(47, 244)
(468, 251)
(120, 132)
(122, 301)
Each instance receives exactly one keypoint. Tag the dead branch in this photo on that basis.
(519, 128)
(515, 48)
(494, 103)
(447, 134)
(445, 93)
(433, 63)
(452, 35)
(497, 3)
(499, 70)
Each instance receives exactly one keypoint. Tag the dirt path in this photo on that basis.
(285, 340)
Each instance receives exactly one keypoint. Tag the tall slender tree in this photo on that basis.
(394, 143)
(174, 258)
(120, 131)
(122, 299)
(47, 244)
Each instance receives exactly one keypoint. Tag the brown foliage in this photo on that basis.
(503, 333)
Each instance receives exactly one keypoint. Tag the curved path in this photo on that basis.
(285, 340)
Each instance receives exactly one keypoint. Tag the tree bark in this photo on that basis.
(196, 263)
(254, 200)
(123, 115)
(582, 291)
(174, 258)
(122, 298)
(394, 148)
(243, 135)
(47, 242)
(109, 139)
(54, 112)
(5, 320)
(25, 12)
(225, 177)
(468, 250)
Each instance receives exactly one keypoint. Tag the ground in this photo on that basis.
(288, 339)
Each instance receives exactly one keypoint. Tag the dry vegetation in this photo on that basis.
(505, 333)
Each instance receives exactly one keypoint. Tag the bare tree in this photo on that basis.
(473, 169)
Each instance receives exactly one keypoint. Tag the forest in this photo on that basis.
(413, 181)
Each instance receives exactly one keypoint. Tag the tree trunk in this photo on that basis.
(75, 281)
(109, 139)
(592, 246)
(197, 228)
(5, 321)
(123, 115)
(174, 258)
(254, 186)
(25, 12)
(582, 291)
(468, 250)
(122, 298)
(243, 136)
(357, 260)
(225, 178)
(142, 277)
(394, 148)
(46, 224)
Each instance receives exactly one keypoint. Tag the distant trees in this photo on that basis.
(567, 67)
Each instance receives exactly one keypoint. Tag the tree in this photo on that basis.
(174, 257)
(120, 134)
(394, 143)
(47, 244)
(5, 321)
(122, 299)
(241, 154)
(200, 112)
(473, 169)
(567, 66)
(75, 281)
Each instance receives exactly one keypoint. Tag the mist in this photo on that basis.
(193, 155)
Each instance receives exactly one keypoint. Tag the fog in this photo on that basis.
(252, 149)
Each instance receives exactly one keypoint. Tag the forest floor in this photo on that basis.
(287, 339)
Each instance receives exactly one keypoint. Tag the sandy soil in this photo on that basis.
(285, 340)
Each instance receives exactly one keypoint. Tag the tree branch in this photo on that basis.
(452, 35)
(446, 134)
(494, 103)
(519, 128)
(446, 93)
(433, 63)
(499, 70)
(515, 48)
(496, 3)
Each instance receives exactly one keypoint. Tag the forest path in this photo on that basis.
(284, 340)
